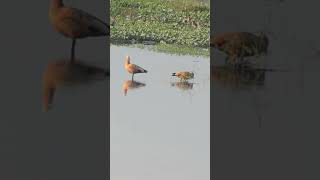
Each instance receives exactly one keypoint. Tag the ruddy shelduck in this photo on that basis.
(238, 45)
(132, 68)
(75, 24)
(184, 75)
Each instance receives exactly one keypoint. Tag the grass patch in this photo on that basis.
(169, 49)
(184, 23)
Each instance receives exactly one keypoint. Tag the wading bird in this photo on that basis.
(132, 68)
(184, 75)
(75, 24)
(238, 45)
(63, 73)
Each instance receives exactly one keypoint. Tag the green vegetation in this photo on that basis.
(170, 49)
(180, 26)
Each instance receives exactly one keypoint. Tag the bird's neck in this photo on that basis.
(55, 5)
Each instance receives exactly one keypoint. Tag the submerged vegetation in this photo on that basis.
(176, 25)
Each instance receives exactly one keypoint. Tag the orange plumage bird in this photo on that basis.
(132, 68)
(75, 24)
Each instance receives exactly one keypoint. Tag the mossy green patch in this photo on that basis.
(183, 23)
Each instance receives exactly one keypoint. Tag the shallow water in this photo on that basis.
(68, 141)
(160, 129)
(264, 128)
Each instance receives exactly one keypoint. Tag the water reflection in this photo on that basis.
(63, 73)
(177, 117)
(183, 85)
(131, 84)
(238, 78)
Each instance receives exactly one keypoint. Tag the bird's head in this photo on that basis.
(192, 74)
(57, 3)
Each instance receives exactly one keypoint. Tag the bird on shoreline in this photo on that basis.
(184, 75)
(75, 24)
(132, 68)
(238, 45)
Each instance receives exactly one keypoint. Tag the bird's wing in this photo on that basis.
(138, 68)
(95, 25)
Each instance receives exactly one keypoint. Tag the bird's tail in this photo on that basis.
(145, 71)
(173, 74)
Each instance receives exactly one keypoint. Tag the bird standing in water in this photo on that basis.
(75, 24)
(132, 68)
(237, 45)
(184, 75)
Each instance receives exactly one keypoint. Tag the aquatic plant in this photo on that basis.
(178, 22)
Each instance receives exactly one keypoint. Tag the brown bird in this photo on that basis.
(238, 45)
(62, 73)
(132, 68)
(184, 75)
(75, 24)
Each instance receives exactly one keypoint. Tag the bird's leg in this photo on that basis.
(72, 49)
(132, 76)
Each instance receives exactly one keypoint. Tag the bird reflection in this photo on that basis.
(63, 73)
(241, 78)
(229, 76)
(183, 85)
(131, 84)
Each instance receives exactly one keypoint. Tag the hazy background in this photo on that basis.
(69, 141)
(285, 146)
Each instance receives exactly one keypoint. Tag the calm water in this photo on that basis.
(67, 142)
(263, 130)
(161, 128)
(265, 123)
